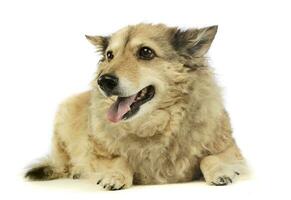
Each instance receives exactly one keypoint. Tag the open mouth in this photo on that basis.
(125, 107)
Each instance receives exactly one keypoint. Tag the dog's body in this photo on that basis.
(167, 125)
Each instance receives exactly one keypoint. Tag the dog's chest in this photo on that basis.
(159, 160)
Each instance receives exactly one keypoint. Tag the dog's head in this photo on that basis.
(141, 63)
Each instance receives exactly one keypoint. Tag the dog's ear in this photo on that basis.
(193, 42)
(100, 42)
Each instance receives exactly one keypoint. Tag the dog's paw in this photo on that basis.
(76, 176)
(113, 181)
(221, 176)
(76, 172)
(223, 180)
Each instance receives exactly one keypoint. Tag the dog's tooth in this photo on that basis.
(143, 92)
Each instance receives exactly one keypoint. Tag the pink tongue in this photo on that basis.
(119, 108)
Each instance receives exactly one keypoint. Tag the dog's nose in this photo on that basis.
(107, 82)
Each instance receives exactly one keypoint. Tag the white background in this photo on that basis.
(45, 58)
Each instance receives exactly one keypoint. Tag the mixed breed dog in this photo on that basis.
(154, 115)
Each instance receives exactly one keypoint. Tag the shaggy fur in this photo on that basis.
(183, 133)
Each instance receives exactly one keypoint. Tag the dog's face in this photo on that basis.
(139, 64)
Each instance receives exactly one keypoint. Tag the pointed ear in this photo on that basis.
(100, 42)
(194, 42)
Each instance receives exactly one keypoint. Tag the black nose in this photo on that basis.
(107, 82)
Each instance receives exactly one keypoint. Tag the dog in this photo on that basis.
(154, 115)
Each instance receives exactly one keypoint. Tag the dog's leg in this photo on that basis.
(54, 166)
(78, 158)
(112, 174)
(223, 168)
(70, 142)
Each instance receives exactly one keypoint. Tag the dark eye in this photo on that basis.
(146, 53)
(109, 55)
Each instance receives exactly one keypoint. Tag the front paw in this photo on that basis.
(221, 176)
(114, 181)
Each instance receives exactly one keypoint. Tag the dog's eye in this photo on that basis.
(146, 53)
(109, 55)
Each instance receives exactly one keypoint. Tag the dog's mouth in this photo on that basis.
(125, 107)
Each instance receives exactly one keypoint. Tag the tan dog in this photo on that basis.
(154, 115)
